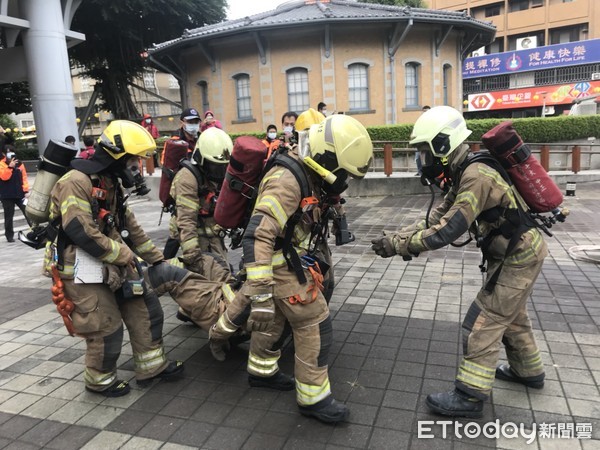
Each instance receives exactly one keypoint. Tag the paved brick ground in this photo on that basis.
(397, 334)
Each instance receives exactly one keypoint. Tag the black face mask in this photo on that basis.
(215, 172)
(433, 170)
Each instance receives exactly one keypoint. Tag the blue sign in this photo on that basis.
(558, 55)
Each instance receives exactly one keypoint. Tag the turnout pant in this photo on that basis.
(311, 327)
(500, 317)
(201, 297)
(99, 316)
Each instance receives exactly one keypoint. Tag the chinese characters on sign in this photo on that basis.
(568, 54)
(532, 97)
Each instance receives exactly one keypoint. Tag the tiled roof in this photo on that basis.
(300, 12)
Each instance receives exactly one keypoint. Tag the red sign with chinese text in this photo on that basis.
(560, 94)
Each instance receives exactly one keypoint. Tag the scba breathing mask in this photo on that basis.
(131, 177)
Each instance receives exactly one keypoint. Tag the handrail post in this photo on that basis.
(576, 159)
(545, 157)
(387, 159)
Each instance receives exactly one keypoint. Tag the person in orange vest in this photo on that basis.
(14, 189)
(148, 124)
(271, 140)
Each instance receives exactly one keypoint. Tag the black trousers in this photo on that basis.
(8, 205)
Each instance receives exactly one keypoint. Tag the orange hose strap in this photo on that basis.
(64, 306)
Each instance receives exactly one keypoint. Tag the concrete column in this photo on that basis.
(48, 70)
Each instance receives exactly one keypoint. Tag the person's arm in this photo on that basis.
(185, 192)
(6, 172)
(278, 198)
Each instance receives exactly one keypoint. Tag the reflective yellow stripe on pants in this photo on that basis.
(476, 375)
(148, 361)
(309, 394)
(262, 367)
(101, 379)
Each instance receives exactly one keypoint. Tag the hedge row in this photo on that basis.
(534, 130)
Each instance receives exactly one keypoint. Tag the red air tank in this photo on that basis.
(530, 179)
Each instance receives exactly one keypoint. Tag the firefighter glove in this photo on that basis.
(262, 312)
(383, 246)
(401, 242)
(113, 276)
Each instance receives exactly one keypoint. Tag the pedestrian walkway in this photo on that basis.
(396, 339)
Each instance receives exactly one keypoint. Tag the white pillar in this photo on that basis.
(48, 71)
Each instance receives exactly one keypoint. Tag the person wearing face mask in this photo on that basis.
(288, 121)
(271, 140)
(14, 189)
(148, 124)
(284, 277)
(93, 258)
(322, 108)
(189, 129)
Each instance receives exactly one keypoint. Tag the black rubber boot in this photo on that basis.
(504, 372)
(171, 372)
(327, 410)
(280, 381)
(456, 404)
(117, 389)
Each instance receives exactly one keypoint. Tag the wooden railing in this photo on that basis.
(397, 156)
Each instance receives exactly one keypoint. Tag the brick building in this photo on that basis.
(378, 63)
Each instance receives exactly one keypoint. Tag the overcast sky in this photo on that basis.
(243, 8)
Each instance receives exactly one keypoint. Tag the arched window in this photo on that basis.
(242, 95)
(358, 87)
(446, 80)
(297, 87)
(411, 83)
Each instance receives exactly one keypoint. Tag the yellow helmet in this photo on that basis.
(123, 137)
(441, 130)
(338, 143)
(213, 145)
(308, 118)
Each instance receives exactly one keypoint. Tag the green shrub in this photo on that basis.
(532, 130)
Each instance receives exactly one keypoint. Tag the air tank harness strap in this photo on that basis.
(516, 224)
(64, 306)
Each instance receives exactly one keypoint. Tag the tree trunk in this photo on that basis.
(117, 97)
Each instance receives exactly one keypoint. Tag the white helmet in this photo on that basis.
(442, 129)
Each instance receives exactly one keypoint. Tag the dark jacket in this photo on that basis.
(13, 182)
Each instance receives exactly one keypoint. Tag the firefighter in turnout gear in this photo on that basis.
(93, 223)
(284, 279)
(482, 202)
(194, 190)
